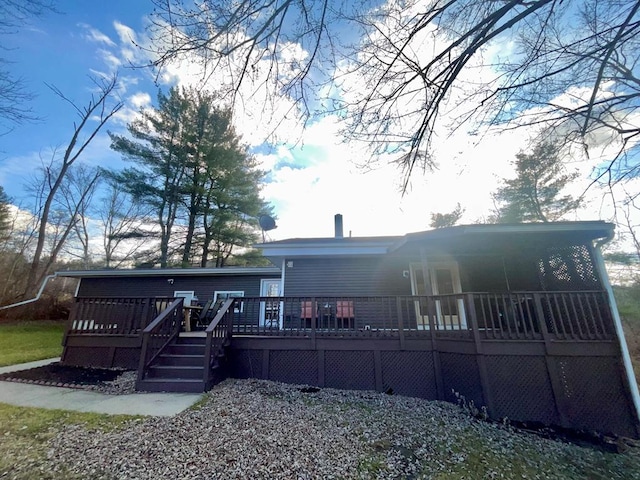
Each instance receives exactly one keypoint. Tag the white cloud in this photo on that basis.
(14, 176)
(95, 35)
(131, 109)
(313, 173)
(306, 199)
(140, 99)
(126, 34)
(258, 115)
(110, 59)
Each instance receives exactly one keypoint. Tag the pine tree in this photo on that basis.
(449, 219)
(195, 175)
(534, 195)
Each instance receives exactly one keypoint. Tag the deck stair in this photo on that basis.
(180, 368)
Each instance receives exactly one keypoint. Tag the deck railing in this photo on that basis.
(578, 316)
(115, 316)
(218, 334)
(159, 333)
(584, 315)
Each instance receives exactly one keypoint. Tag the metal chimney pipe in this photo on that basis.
(338, 225)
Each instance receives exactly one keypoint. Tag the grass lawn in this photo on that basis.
(30, 341)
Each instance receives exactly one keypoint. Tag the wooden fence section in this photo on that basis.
(576, 385)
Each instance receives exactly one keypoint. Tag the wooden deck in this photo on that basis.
(546, 357)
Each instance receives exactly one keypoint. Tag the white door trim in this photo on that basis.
(266, 318)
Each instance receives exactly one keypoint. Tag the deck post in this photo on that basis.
(206, 373)
(480, 358)
(314, 321)
(146, 309)
(551, 364)
(377, 364)
(437, 366)
(266, 356)
(321, 375)
(400, 323)
(143, 355)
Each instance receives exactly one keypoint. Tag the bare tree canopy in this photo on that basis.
(403, 74)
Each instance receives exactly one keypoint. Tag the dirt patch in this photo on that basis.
(57, 374)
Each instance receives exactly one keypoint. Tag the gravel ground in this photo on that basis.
(265, 430)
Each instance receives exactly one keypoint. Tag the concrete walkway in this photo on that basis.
(27, 395)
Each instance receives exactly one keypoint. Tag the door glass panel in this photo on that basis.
(420, 284)
(273, 289)
(444, 281)
(270, 311)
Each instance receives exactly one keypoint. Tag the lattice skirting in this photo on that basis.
(574, 391)
(571, 391)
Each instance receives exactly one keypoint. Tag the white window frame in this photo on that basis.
(188, 295)
(224, 294)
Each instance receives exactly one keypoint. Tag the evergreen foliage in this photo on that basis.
(440, 220)
(195, 175)
(534, 195)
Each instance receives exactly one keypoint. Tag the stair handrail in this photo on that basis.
(222, 333)
(163, 321)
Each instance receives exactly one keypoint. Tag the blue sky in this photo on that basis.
(55, 50)
(312, 174)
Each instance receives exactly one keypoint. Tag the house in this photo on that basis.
(518, 318)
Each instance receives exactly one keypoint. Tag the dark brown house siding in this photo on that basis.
(203, 286)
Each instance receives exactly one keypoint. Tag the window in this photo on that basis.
(222, 295)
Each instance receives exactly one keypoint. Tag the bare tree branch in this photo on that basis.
(410, 72)
(100, 111)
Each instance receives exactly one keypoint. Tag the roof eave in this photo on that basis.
(596, 228)
(177, 272)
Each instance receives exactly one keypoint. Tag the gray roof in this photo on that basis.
(590, 230)
(330, 246)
